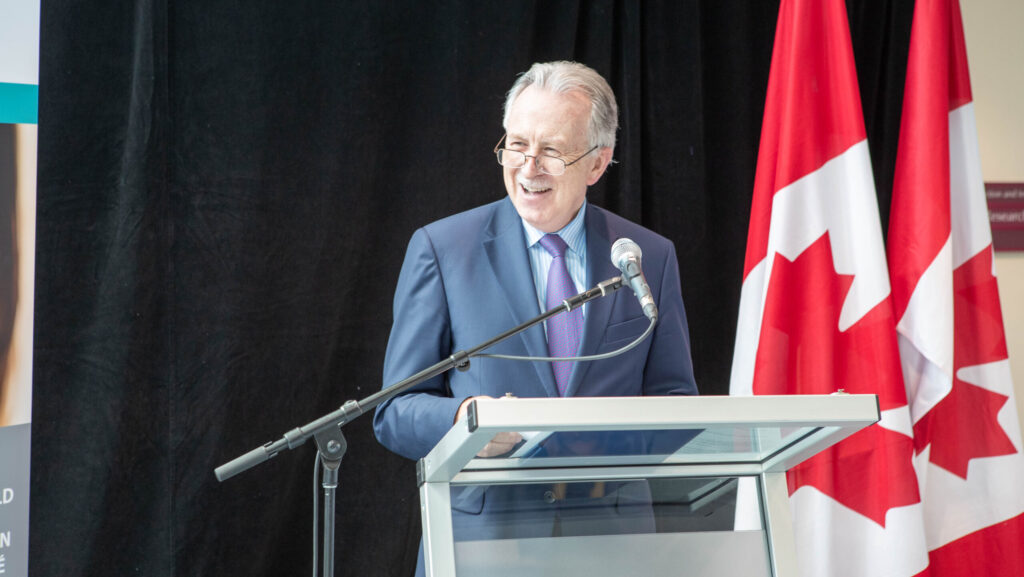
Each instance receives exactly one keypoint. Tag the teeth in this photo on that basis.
(528, 189)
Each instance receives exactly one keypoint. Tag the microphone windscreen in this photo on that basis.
(625, 247)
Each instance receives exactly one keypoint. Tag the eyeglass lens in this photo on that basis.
(515, 159)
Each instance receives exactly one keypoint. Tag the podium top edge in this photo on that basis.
(677, 411)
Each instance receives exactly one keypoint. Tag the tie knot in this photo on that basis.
(554, 245)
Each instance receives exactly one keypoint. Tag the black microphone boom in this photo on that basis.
(626, 255)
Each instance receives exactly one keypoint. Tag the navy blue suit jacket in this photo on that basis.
(467, 278)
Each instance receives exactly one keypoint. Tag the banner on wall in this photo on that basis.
(19, 97)
(1006, 214)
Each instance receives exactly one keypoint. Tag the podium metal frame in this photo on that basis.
(822, 420)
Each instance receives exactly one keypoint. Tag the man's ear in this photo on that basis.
(600, 164)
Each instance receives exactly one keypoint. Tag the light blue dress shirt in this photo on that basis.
(575, 235)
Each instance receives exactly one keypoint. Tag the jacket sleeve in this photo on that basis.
(413, 422)
(669, 368)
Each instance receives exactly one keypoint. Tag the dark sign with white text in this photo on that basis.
(1006, 214)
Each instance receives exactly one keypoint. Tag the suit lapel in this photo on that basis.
(505, 247)
(599, 268)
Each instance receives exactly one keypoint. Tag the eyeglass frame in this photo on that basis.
(497, 148)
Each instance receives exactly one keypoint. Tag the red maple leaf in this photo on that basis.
(802, 351)
(963, 425)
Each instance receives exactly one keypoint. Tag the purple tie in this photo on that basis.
(564, 328)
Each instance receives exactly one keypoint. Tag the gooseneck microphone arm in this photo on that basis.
(352, 409)
(331, 443)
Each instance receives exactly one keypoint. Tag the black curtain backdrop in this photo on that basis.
(226, 189)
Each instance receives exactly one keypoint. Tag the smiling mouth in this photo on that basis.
(532, 189)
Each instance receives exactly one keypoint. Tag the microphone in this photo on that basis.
(626, 256)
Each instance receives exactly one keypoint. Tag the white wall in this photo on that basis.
(19, 41)
(994, 31)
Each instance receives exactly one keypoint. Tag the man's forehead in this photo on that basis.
(546, 118)
(538, 100)
(542, 139)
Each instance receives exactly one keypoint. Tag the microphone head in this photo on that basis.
(625, 248)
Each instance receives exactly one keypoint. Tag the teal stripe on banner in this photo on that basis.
(19, 103)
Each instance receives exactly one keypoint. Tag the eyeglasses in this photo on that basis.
(547, 164)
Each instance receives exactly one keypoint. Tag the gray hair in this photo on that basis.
(564, 76)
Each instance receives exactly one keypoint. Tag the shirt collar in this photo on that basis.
(570, 233)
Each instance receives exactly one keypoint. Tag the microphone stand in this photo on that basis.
(326, 430)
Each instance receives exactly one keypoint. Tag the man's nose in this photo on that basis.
(531, 168)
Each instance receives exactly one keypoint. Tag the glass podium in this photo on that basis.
(625, 485)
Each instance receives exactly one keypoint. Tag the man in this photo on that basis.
(473, 275)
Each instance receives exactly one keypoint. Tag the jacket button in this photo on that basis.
(549, 496)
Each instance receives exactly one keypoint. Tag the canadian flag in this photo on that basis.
(951, 339)
(815, 313)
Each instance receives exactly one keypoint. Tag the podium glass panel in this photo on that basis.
(638, 485)
(730, 443)
(666, 526)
